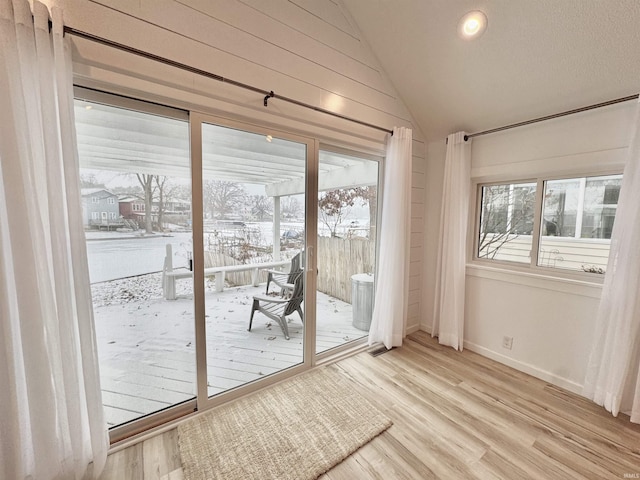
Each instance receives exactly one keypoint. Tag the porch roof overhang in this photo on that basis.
(120, 140)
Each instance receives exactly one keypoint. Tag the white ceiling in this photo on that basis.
(126, 141)
(537, 57)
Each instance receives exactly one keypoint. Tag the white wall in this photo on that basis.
(308, 50)
(551, 319)
(436, 152)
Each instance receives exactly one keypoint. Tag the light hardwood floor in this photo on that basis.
(455, 415)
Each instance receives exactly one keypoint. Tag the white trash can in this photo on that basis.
(362, 300)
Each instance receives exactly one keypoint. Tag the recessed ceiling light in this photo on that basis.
(269, 138)
(472, 25)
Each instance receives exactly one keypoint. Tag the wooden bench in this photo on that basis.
(169, 275)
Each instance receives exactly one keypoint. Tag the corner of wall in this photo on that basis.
(435, 156)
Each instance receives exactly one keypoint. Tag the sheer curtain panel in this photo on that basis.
(51, 419)
(448, 315)
(392, 275)
(613, 377)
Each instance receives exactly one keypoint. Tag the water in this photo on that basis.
(113, 255)
(120, 257)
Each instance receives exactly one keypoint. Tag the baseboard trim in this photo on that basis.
(526, 368)
(412, 329)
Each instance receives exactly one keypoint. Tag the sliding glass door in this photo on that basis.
(347, 239)
(254, 292)
(213, 246)
(136, 205)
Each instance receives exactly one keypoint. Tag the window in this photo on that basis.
(95, 200)
(577, 220)
(112, 215)
(111, 201)
(506, 222)
(94, 215)
(573, 230)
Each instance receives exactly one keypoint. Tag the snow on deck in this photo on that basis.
(146, 344)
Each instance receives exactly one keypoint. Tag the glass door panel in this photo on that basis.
(136, 206)
(253, 223)
(347, 236)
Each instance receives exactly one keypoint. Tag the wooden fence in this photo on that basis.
(339, 259)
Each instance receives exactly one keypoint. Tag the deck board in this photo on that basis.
(147, 348)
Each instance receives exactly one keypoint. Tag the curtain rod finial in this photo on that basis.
(266, 98)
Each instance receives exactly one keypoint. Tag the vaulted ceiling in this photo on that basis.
(537, 57)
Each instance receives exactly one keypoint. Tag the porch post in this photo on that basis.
(276, 228)
(168, 281)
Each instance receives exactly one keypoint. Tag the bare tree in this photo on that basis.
(261, 206)
(161, 187)
(147, 181)
(89, 180)
(290, 207)
(334, 207)
(166, 191)
(507, 212)
(222, 198)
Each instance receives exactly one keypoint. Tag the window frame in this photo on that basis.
(478, 218)
(532, 267)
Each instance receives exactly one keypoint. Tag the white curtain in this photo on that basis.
(392, 275)
(51, 418)
(448, 315)
(613, 377)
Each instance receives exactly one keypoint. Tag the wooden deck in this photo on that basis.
(147, 348)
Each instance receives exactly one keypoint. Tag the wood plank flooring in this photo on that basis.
(456, 415)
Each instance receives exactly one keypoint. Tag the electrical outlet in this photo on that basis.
(507, 342)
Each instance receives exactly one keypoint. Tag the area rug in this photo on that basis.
(297, 430)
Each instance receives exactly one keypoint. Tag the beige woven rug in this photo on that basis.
(295, 430)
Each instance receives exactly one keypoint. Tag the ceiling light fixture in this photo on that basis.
(269, 138)
(472, 25)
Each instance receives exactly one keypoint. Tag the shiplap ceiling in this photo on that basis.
(537, 57)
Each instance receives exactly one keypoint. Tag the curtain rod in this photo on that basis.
(555, 115)
(267, 93)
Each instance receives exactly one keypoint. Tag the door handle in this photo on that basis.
(309, 259)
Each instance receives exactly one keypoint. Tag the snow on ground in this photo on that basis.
(133, 289)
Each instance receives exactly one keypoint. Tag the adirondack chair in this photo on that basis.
(278, 308)
(285, 279)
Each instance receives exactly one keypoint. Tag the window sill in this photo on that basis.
(558, 281)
